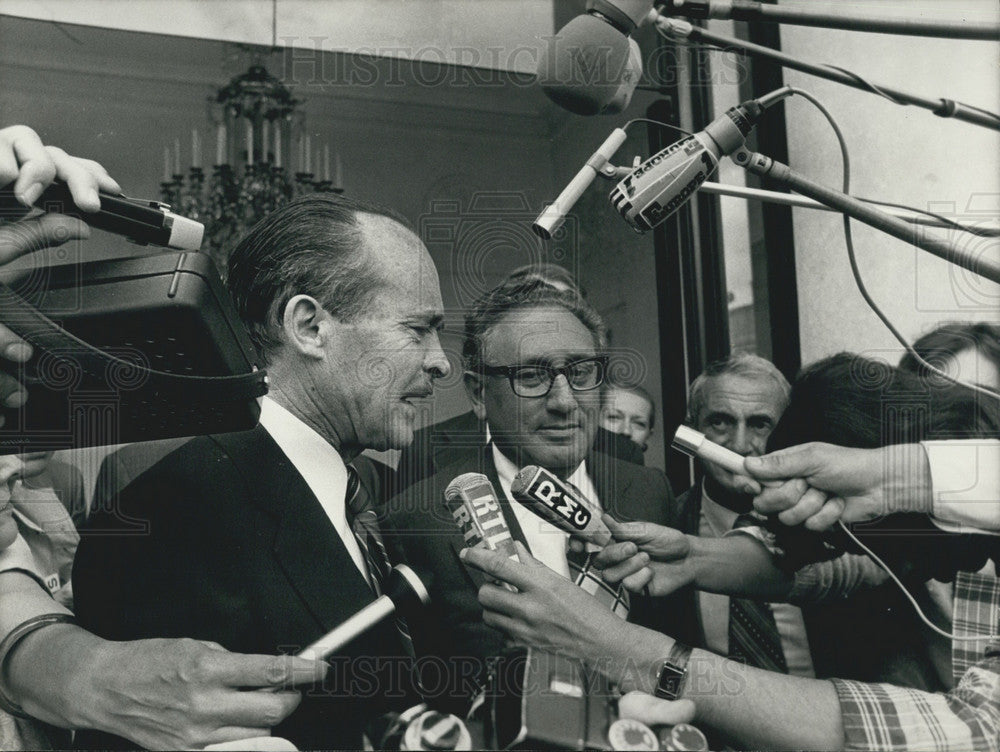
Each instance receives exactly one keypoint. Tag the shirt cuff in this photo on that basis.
(965, 478)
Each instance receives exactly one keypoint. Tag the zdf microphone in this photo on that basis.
(659, 186)
(556, 502)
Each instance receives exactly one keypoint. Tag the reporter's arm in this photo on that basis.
(753, 707)
(646, 555)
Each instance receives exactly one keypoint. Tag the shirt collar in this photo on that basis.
(318, 461)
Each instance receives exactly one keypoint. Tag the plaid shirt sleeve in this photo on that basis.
(886, 717)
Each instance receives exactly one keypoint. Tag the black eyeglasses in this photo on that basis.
(536, 380)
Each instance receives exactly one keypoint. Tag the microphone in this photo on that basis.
(143, 222)
(659, 186)
(556, 502)
(695, 444)
(402, 591)
(592, 66)
(475, 508)
(555, 213)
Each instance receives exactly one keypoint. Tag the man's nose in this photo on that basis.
(436, 363)
(560, 397)
(740, 440)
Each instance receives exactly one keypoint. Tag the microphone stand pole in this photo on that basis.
(789, 199)
(946, 108)
(764, 166)
(749, 10)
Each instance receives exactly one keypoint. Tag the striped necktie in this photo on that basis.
(753, 633)
(364, 524)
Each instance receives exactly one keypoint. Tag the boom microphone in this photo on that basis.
(143, 222)
(474, 505)
(592, 65)
(556, 502)
(659, 186)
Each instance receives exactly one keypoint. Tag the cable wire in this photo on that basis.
(916, 606)
(855, 271)
(868, 299)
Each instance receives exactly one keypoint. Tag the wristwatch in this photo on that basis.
(672, 673)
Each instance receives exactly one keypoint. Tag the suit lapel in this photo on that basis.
(612, 487)
(305, 544)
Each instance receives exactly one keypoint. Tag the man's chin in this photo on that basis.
(558, 459)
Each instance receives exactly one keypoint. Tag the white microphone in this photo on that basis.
(659, 186)
(402, 591)
(555, 213)
(592, 65)
(556, 502)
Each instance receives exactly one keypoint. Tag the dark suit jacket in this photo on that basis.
(122, 466)
(442, 444)
(420, 529)
(872, 636)
(237, 549)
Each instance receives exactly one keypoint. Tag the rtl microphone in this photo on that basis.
(476, 510)
(556, 502)
(143, 222)
(592, 66)
(402, 591)
(659, 186)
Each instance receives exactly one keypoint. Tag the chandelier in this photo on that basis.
(257, 122)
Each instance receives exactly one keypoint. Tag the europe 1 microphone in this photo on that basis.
(659, 186)
(556, 502)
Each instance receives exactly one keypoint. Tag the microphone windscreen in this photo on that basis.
(584, 65)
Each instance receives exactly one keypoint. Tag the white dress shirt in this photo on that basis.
(546, 542)
(320, 466)
(716, 521)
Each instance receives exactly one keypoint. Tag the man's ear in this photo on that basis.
(303, 325)
(474, 386)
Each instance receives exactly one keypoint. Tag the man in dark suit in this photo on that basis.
(251, 540)
(439, 445)
(534, 368)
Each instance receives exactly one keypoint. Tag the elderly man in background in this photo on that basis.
(736, 402)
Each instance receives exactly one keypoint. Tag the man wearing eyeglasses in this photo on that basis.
(534, 367)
